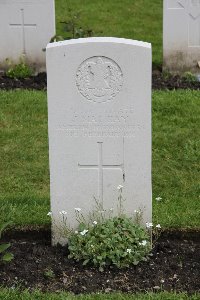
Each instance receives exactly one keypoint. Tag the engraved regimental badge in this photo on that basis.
(99, 79)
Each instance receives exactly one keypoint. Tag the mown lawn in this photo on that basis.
(24, 176)
(133, 19)
(17, 295)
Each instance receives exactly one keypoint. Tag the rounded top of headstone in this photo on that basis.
(100, 40)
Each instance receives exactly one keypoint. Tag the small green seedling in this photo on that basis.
(189, 77)
(4, 255)
(20, 70)
(49, 274)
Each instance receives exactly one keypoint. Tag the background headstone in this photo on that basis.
(181, 36)
(99, 109)
(26, 27)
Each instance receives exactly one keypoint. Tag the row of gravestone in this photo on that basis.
(26, 27)
(99, 115)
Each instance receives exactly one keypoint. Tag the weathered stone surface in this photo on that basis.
(26, 27)
(181, 35)
(99, 107)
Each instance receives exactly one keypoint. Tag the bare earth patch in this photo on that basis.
(174, 266)
(159, 82)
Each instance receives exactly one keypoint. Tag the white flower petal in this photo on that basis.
(77, 209)
(120, 187)
(144, 243)
(149, 225)
(158, 226)
(158, 198)
(63, 212)
(84, 232)
(162, 281)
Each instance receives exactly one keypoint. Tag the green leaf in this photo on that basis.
(4, 247)
(85, 262)
(7, 257)
(81, 226)
(3, 227)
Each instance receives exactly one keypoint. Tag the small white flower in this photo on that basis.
(76, 232)
(63, 212)
(95, 222)
(128, 251)
(149, 225)
(49, 214)
(120, 187)
(158, 226)
(158, 198)
(144, 242)
(162, 281)
(111, 209)
(84, 232)
(77, 209)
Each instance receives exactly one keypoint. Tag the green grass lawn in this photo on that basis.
(133, 19)
(24, 176)
(17, 295)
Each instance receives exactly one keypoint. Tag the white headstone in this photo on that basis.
(99, 108)
(26, 27)
(181, 35)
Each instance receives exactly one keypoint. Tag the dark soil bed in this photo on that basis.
(174, 266)
(159, 81)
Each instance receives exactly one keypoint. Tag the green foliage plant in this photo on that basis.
(71, 26)
(116, 241)
(4, 255)
(189, 77)
(49, 274)
(20, 70)
(108, 239)
(71, 29)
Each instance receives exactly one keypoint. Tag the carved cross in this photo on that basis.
(22, 26)
(192, 7)
(100, 167)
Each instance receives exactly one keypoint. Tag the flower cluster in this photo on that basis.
(103, 239)
(150, 225)
(117, 241)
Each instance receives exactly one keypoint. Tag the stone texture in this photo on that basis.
(99, 109)
(181, 35)
(26, 27)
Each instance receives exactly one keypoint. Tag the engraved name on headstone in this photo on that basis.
(99, 112)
